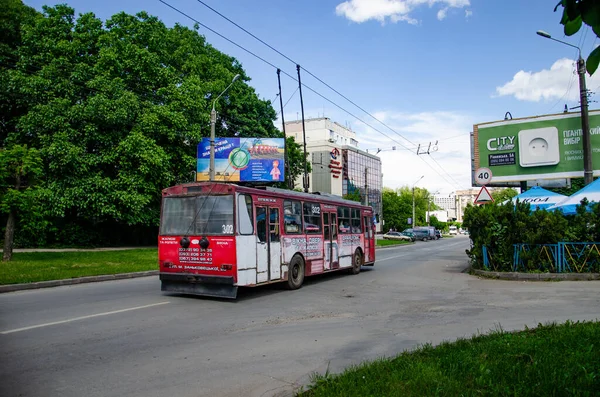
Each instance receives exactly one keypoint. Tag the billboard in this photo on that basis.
(535, 148)
(242, 160)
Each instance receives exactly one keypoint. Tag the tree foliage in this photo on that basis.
(397, 207)
(116, 110)
(575, 14)
(502, 195)
(500, 227)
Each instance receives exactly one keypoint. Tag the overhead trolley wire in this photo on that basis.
(306, 86)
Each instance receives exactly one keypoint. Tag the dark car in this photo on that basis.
(419, 234)
(411, 235)
(438, 234)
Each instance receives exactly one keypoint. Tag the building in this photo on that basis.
(338, 166)
(447, 203)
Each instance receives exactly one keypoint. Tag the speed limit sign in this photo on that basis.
(483, 176)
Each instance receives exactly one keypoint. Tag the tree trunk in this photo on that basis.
(9, 236)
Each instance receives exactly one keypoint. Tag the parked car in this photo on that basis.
(420, 234)
(411, 235)
(396, 236)
(453, 230)
(438, 233)
(430, 230)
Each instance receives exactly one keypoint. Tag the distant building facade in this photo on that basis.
(338, 166)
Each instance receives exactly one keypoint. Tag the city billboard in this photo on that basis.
(535, 148)
(242, 160)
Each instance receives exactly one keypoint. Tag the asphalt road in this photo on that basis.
(126, 338)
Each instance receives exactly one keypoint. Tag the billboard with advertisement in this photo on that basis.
(242, 160)
(535, 148)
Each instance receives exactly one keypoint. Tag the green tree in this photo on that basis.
(575, 14)
(116, 111)
(19, 168)
(501, 196)
(398, 207)
(354, 196)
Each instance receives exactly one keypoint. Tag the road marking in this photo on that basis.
(391, 257)
(80, 318)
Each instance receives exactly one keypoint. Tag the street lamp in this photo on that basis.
(413, 192)
(213, 121)
(588, 173)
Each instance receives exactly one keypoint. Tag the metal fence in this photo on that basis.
(563, 257)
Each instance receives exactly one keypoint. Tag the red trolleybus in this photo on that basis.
(216, 237)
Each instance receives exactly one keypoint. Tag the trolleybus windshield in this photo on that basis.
(197, 215)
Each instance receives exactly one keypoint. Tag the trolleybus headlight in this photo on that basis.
(184, 242)
(204, 243)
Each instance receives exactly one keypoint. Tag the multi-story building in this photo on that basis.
(338, 166)
(448, 203)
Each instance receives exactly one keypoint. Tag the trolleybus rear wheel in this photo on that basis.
(356, 262)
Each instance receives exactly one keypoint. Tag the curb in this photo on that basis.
(536, 276)
(74, 281)
(394, 246)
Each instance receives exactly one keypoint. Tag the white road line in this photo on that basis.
(391, 257)
(80, 318)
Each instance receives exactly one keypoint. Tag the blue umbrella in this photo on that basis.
(539, 198)
(569, 205)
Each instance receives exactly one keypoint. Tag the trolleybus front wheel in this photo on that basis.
(295, 273)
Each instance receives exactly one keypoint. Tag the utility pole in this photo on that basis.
(428, 211)
(211, 167)
(286, 166)
(305, 179)
(588, 173)
(413, 218)
(213, 121)
(414, 223)
(588, 170)
(366, 187)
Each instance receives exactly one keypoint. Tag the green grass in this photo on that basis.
(384, 243)
(27, 267)
(551, 360)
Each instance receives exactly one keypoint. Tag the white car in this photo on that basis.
(395, 236)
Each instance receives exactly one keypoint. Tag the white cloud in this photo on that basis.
(556, 83)
(396, 10)
(401, 167)
(441, 15)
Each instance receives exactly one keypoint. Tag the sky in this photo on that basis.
(425, 71)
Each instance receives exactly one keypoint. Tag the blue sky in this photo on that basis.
(429, 69)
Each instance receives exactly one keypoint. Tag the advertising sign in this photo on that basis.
(544, 147)
(242, 160)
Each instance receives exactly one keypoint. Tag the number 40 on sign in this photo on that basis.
(483, 176)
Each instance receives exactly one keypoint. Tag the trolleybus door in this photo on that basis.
(268, 250)
(330, 244)
(368, 233)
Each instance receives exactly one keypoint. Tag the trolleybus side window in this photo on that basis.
(312, 218)
(244, 207)
(292, 216)
(356, 227)
(344, 219)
